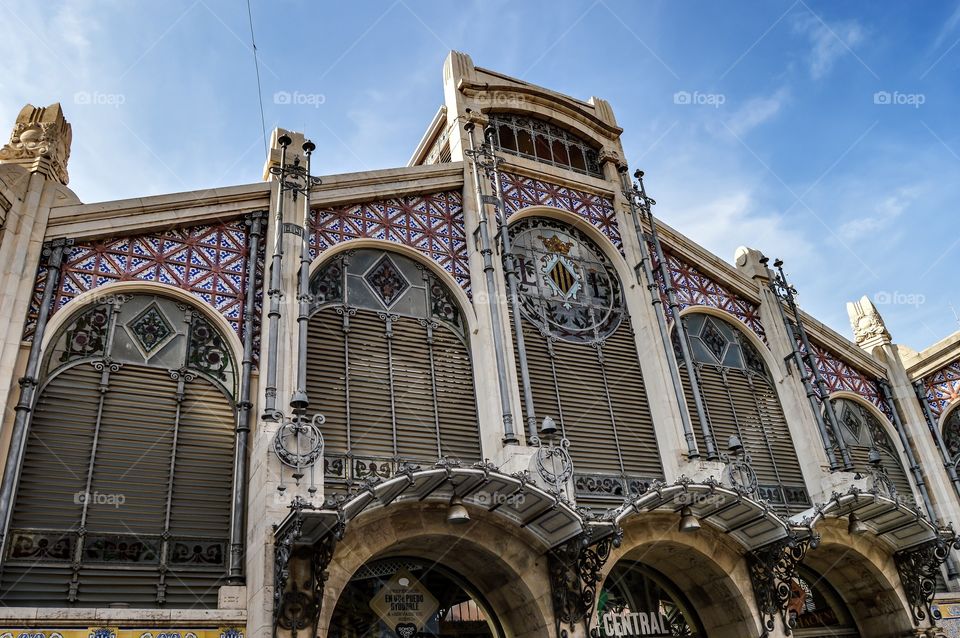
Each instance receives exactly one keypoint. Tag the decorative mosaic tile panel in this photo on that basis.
(696, 288)
(943, 387)
(523, 192)
(209, 262)
(432, 224)
(840, 375)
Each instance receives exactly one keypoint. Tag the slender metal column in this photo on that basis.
(808, 388)
(28, 387)
(948, 461)
(822, 390)
(631, 193)
(486, 250)
(300, 400)
(510, 266)
(244, 406)
(275, 291)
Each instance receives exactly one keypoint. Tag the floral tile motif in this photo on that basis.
(432, 224)
(151, 329)
(943, 387)
(386, 281)
(209, 261)
(523, 192)
(696, 288)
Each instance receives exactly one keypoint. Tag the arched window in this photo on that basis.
(862, 433)
(740, 399)
(544, 142)
(582, 357)
(637, 600)
(388, 365)
(816, 609)
(125, 489)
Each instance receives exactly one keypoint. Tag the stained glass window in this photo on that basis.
(567, 286)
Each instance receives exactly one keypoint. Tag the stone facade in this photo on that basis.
(534, 559)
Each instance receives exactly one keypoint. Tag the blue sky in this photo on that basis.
(824, 133)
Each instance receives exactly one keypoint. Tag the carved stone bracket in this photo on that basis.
(773, 569)
(918, 567)
(297, 598)
(575, 572)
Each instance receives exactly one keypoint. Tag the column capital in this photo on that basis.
(40, 142)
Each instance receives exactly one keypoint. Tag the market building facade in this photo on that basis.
(487, 394)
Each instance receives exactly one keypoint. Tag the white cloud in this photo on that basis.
(827, 42)
(756, 111)
(884, 213)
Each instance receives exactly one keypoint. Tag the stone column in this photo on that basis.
(33, 178)
(655, 363)
(266, 505)
(871, 334)
(796, 407)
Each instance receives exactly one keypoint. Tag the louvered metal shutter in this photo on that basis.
(602, 407)
(860, 455)
(134, 449)
(456, 397)
(349, 378)
(733, 397)
(371, 430)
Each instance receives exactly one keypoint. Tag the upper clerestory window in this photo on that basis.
(544, 142)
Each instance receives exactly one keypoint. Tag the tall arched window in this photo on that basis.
(740, 399)
(125, 489)
(388, 365)
(862, 433)
(584, 369)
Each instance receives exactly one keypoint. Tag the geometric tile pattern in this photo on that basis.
(943, 387)
(840, 375)
(209, 262)
(522, 192)
(696, 288)
(431, 224)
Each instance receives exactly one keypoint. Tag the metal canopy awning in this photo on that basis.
(516, 499)
(898, 524)
(752, 523)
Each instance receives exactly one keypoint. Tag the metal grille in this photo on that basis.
(862, 432)
(544, 142)
(125, 490)
(582, 359)
(740, 399)
(387, 358)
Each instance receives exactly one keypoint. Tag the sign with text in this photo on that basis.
(638, 623)
(404, 604)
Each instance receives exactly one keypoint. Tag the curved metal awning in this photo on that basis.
(752, 523)
(513, 498)
(897, 523)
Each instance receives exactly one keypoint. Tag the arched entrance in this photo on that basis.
(638, 600)
(817, 608)
(409, 596)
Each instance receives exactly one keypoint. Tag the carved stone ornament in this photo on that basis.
(40, 141)
(868, 327)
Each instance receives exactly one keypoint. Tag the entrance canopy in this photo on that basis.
(513, 498)
(897, 523)
(752, 523)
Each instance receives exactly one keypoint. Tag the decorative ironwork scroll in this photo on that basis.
(773, 569)
(918, 568)
(297, 604)
(575, 573)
